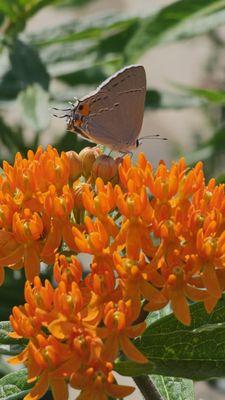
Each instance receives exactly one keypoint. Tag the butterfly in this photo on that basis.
(112, 115)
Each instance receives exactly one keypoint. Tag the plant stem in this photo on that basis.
(147, 388)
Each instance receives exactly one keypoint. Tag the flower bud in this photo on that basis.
(78, 190)
(88, 156)
(106, 168)
(75, 165)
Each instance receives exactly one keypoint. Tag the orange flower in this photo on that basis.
(58, 208)
(95, 241)
(157, 237)
(67, 269)
(101, 205)
(43, 356)
(135, 277)
(118, 320)
(27, 320)
(98, 382)
(36, 207)
(27, 229)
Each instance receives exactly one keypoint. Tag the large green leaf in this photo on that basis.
(201, 25)
(14, 385)
(26, 68)
(196, 352)
(91, 29)
(74, 3)
(35, 107)
(168, 100)
(15, 346)
(166, 25)
(174, 388)
(5, 328)
(18, 12)
(207, 95)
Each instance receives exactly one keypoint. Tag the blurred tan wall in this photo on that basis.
(181, 62)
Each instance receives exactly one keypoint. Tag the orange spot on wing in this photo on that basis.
(85, 109)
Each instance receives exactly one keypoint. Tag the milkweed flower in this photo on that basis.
(63, 340)
(36, 205)
(154, 236)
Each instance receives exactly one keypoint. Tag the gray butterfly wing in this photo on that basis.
(117, 108)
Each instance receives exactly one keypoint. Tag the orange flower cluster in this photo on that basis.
(35, 208)
(155, 237)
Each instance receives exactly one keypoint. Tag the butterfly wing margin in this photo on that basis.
(129, 77)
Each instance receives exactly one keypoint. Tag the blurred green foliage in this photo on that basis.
(48, 67)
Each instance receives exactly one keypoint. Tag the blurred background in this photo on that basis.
(52, 51)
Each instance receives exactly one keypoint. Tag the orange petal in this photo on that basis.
(13, 257)
(68, 367)
(53, 241)
(39, 389)
(136, 330)
(196, 294)
(211, 281)
(210, 303)
(149, 292)
(133, 242)
(60, 329)
(68, 236)
(20, 358)
(131, 351)
(31, 263)
(119, 390)
(2, 275)
(59, 389)
(180, 307)
(111, 347)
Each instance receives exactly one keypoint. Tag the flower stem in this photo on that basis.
(147, 388)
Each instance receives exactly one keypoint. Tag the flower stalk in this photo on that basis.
(147, 388)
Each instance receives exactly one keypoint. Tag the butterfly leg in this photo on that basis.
(124, 153)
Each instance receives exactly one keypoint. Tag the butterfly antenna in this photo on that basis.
(61, 109)
(61, 116)
(156, 136)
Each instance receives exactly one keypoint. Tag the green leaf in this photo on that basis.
(18, 12)
(167, 100)
(207, 95)
(35, 107)
(26, 68)
(14, 385)
(196, 352)
(91, 29)
(217, 141)
(5, 328)
(220, 179)
(174, 388)
(161, 27)
(200, 26)
(74, 3)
